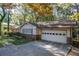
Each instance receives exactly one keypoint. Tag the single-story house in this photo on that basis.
(55, 31)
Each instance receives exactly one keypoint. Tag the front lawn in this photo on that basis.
(14, 40)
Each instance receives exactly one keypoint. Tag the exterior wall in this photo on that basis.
(61, 29)
(69, 36)
(31, 37)
(55, 38)
(38, 31)
(68, 31)
(28, 26)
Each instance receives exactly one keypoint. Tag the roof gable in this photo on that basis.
(29, 23)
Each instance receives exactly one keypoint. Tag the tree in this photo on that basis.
(41, 8)
(8, 7)
(4, 8)
(63, 10)
(22, 14)
(8, 11)
(2, 16)
(75, 15)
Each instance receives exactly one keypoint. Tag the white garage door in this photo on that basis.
(54, 36)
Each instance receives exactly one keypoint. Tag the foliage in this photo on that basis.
(39, 12)
(41, 8)
(2, 15)
(74, 16)
(75, 44)
(66, 11)
(22, 15)
(46, 18)
(18, 41)
(4, 7)
(63, 10)
(13, 40)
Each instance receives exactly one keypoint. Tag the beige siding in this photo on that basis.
(28, 26)
(38, 31)
(68, 33)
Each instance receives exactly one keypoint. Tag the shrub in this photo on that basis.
(75, 44)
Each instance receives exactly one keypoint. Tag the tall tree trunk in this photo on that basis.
(0, 28)
(2, 16)
(8, 22)
(24, 18)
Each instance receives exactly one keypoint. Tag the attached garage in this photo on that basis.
(54, 36)
(54, 31)
(58, 31)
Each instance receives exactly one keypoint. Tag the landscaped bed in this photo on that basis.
(16, 40)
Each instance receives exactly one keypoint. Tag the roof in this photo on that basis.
(61, 23)
(50, 24)
(29, 23)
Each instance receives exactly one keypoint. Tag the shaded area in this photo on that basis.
(56, 49)
(6, 40)
(74, 52)
(36, 48)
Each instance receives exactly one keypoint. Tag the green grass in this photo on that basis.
(14, 40)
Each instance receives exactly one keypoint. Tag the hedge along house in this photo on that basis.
(55, 31)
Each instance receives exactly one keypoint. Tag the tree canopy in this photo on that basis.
(41, 8)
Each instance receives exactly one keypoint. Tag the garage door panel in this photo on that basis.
(55, 36)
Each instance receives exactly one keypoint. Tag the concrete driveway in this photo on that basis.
(35, 48)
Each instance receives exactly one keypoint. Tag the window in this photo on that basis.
(47, 33)
(60, 34)
(64, 34)
(50, 33)
(53, 33)
(56, 33)
(27, 31)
